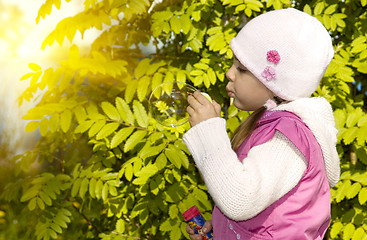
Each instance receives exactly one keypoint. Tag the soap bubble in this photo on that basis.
(168, 103)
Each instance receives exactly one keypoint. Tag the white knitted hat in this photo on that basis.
(287, 50)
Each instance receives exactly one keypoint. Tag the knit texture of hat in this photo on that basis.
(287, 50)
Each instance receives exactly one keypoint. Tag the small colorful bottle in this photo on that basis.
(196, 221)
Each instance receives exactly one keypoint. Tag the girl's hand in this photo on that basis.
(201, 109)
(206, 228)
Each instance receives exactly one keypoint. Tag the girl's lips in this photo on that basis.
(230, 94)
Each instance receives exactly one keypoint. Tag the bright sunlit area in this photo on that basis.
(20, 44)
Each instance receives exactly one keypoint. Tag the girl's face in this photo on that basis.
(247, 91)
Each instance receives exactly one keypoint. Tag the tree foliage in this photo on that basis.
(108, 170)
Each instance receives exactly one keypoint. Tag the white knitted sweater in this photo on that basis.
(271, 169)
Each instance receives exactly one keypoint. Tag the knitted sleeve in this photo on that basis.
(243, 190)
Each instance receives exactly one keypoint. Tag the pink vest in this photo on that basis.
(304, 212)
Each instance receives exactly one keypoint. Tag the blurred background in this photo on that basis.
(20, 44)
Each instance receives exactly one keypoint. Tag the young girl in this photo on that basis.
(272, 179)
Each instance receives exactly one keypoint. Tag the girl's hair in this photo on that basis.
(247, 126)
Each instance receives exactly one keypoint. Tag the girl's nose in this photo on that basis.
(230, 74)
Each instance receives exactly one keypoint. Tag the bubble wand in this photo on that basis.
(168, 103)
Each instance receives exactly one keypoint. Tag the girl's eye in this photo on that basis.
(241, 69)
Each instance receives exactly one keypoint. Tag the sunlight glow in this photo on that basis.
(20, 44)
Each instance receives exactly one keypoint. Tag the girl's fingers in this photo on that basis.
(217, 107)
(192, 234)
(193, 102)
(207, 226)
(200, 97)
(189, 230)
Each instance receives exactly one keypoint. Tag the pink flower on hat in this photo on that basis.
(269, 73)
(273, 56)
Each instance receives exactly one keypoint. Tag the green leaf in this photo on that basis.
(331, 9)
(129, 172)
(173, 211)
(105, 191)
(134, 139)
(56, 227)
(97, 126)
(30, 193)
(181, 76)
(354, 117)
(360, 177)
(362, 196)
(168, 225)
(130, 91)
(84, 126)
(138, 163)
(175, 233)
(353, 190)
(60, 221)
(143, 216)
(176, 24)
(92, 187)
(340, 118)
(196, 15)
(211, 75)
(335, 229)
(45, 198)
(240, 8)
(307, 9)
(342, 190)
(161, 161)
(142, 67)
(83, 188)
(175, 156)
(348, 231)
(142, 88)
(32, 126)
(200, 195)
(350, 134)
(124, 111)
(140, 180)
(65, 120)
(147, 171)
(362, 135)
(140, 114)
(151, 151)
(319, 8)
(120, 226)
(40, 203)
(162, 15)
(99, 187)
(112, 190)
(26, 76)
(154, 187)
(120, 136)
(32, 204)
(359, 234)
(53, 122)
(52, 233)
(34, 67)
(110, 111)
(362, 121)
(156, 81)
(107, 130)
(76, 186)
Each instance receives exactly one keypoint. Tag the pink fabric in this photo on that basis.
(304, 212)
